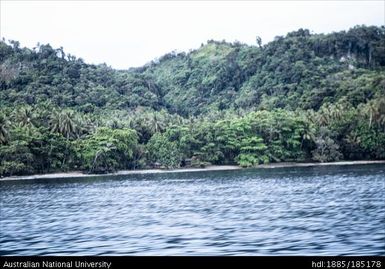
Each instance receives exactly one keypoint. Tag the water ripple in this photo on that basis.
(300, 211)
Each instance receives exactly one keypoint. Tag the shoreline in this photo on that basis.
(77, 174)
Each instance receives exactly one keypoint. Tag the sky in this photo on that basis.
(126, 34)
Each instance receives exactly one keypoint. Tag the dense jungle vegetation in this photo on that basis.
(301, 97)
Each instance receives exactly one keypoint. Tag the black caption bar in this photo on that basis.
(113, 262)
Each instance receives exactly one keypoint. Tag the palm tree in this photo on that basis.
(371, 110)
(308, 133)
(115, 124)
(379, 116)
(55, 122)
(4, 135)
(65, 123)
(69, 124)
(336, 111)
(376, 111)
(325, 116)
(156, 122)
(330, 112)
(312, 116)
(25, 116)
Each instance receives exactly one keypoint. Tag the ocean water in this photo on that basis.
(337, 210)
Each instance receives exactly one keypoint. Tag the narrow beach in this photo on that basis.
(181, 170)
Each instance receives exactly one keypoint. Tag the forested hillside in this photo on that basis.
(302, 97)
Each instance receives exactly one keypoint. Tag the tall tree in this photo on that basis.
(4, 124)
(65, 123)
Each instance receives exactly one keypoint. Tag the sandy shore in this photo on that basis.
(124, 172)
(208, 168)
(279, 165)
